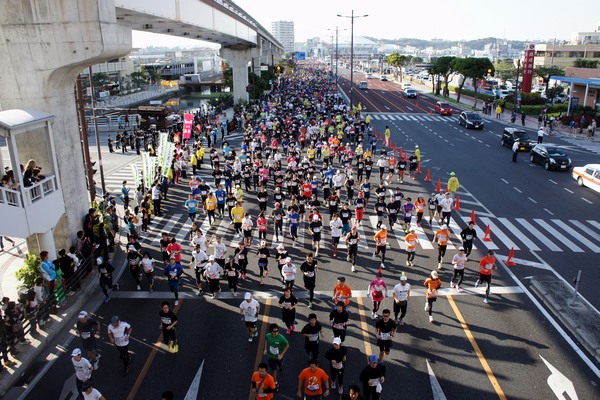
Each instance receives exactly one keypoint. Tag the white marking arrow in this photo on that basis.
(438, 393)
(559, 383)
(192, 393)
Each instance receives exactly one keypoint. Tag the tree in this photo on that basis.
(100, 79)
(546, 72)
(554, 92)
(397, 60)
(505, 70)
(417, 60)
(583, 63)
(140, 77)
(457, 65)
(443, 66)
(474, 68)
(154, 75)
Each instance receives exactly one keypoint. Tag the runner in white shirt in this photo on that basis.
(446, 204)
(199, 259)
(250, 309)
(147, 263)
(336, 232)
(89, 393)
(200, 239)
(288, 271)
(83, 369)
(119, 333)
(401, 295)
(458, 261)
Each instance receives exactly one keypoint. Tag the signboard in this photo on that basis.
(155, 102)
(264, 67)
(300, 55)
(528, 67)
(519, 97)
(188, 122)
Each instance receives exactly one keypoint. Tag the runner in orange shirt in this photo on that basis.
(442, 236)
(411, 245)
(263, 384)
(342, 292)
(382, 243)
(485, 273)
(313, 378)
(391, 166)
(420, 205)
(433, 283)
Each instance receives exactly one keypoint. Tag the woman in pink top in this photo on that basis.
(375, 291)
(261, 222)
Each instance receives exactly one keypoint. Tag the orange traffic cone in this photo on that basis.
(439, 188)
(379, 135)
(400, 155)
(417, 103)
(487, 238)
(419, 168)
(431, 111)
(509, 262)
(427, 179)
(457, 206)
(379, 270)
(405, 157)
(395, 148)
(473, 216)
(389, 144)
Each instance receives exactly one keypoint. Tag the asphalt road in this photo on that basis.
(506, 349)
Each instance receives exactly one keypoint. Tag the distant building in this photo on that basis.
(584, 45)
(283, 31)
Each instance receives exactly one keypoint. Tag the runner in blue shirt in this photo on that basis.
(294, 224)
(221, 195)
(173, 271)
(192, 207)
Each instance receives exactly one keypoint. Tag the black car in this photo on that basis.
(470, 120)
(511, 134)
(551, 157)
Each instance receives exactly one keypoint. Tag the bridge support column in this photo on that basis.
(238, 57)
(40, 66)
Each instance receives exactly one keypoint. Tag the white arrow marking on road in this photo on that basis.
(192, 393)
(387, 107)
(409, 108)
(438, 393)
(69, 388)
(559, 383)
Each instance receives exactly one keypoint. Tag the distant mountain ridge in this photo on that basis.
(476, 44)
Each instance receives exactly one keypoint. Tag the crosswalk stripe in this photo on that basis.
(577, 235)
(558, 235)
(426, 118)
(384, 117)
(456, 230)
(391, 117)
(435, 227)
(481, 235)
(538, 235)
(495, 231)
(413, 118)
(453, 119)
(156, 222)
(585, 229)
(595, 224)
(402, 118)
(423, 239)
(515, 231)
(376, 117)
(168, 227)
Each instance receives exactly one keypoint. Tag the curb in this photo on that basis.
(40, 342)
(564, 314)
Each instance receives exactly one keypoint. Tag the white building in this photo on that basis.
(283, 31)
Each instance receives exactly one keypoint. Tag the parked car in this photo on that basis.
(443, 108)
(470, 120)
(383, 78)
(406, 86)
(588, 175)
(410, 93)
(551, 157)
(363, 85)
(511, 134)
(369, 76)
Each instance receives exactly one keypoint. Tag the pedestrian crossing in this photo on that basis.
(413, 117)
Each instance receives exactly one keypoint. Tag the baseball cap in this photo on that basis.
(211, 258)
(172, 257)
(373, 358)
(354, 228)
(114, 321)
(76, 352)
(288, 259)
(341, 278)
(337, 340)
(452, 174)
(263, 243)
(384, 227)
(315, 218)
(403, 278)
(461, 248)
(248, 295)
(280, 247)
(434, 274)
(83, 314)
(444, 226)
(131, 248)
(99, 260)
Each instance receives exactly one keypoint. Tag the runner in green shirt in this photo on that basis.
(275, 347)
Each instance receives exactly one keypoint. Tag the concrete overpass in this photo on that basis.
(46, 44)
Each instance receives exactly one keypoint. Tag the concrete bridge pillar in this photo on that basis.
(44, 45)
(239, 56)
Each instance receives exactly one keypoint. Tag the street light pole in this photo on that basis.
(337, 60)
(352, 17)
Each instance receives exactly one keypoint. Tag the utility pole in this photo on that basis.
(96, 131)
(352, 17)
(253, 82)
(83, 136)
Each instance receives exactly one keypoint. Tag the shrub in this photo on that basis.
(30, 270)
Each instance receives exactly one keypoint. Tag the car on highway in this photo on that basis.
(383, 78)
(369, 76)
(510, 135)
(470, 120)
(410, 93)
(588, 175)
(406, 86)
(443, 108)
(363, 85)
(551, 157)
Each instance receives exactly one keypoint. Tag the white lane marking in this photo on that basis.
(538, 235)
(586, 200)
(559, 383)
(517, 189)
(593, 223)
(534, 202)
(572, 246)
(548, 211)
(438, 393)
(387, 108)
(496, 232)
(529, 263)
(167, 228)
(192, 393)
(570, 191)
(504, 180)
(576, 235)
(521, 236)
(409, 108)
(413, 118)
(585, 229)
(384, 117)
(553, 181)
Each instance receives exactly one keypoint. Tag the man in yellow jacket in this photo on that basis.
(453, 184)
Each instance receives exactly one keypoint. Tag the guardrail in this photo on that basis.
(41, 189)
(10, 197)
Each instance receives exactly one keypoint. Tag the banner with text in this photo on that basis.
(168, 158)
(188, 121)
(528, 67)
(136, 174)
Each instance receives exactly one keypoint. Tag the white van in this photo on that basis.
(363, 85)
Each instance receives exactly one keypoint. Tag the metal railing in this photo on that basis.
(10, 197)
(41, 189)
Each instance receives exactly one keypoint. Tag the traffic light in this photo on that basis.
(279, 68)
(491, 71)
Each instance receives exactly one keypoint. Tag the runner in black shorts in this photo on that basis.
(164, 242)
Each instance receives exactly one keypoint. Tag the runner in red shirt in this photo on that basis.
(485, 273)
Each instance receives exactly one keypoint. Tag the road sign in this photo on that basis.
(270, 81)
(264, 67)
(300, 55)
(519, 97)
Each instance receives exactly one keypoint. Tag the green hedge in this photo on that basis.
(465, 92)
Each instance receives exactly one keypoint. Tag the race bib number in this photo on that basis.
(86, 335)
(166, 320)
(337, 365)
(433, 293)
(385, 335)
(274, 350)
(230, 273)
(338, 326)
(313, 388)
(310, 274)
(314, 337)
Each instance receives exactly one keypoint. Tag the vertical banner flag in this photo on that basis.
(168, 158)
(146, 168)
(162, 150)
(188, 121)
(136, 175)
(528, 67)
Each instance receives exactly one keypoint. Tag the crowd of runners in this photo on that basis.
(306, 160)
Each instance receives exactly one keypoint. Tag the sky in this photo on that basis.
(451, 20)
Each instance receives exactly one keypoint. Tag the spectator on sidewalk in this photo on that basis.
(523, 116)
(498, 112)
(48, 271)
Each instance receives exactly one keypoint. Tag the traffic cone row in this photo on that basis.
(427, 179)
(419, 168)
(487, 237)
(439, 187)
(509, 262)
(431, 111)
(395, 148)
(473, 216)
(457, 206)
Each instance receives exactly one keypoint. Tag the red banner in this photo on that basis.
(528, 67)
(188, 121)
